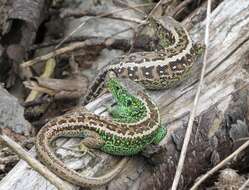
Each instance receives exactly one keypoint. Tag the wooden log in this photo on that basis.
(222, 113)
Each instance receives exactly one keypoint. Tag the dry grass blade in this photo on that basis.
(196, 100)
(56, 181)
(245, 185)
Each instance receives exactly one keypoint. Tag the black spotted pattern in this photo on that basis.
(148, 72)
(162, 70)
(132, 73)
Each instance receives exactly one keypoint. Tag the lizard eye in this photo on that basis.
(129, 102)
(117, 88)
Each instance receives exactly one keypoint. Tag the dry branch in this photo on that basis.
(71, 47)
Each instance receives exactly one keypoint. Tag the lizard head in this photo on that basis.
(130, 107)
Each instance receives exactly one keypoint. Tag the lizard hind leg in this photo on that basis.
(161, 133)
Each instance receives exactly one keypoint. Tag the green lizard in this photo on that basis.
(136, 124)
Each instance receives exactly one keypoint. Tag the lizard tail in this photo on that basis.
(48, 157)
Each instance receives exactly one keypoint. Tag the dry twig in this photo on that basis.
(71, 47)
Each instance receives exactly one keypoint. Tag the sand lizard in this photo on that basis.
(117, 137)
(154, 70)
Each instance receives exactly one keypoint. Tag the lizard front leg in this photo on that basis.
(91, 140)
